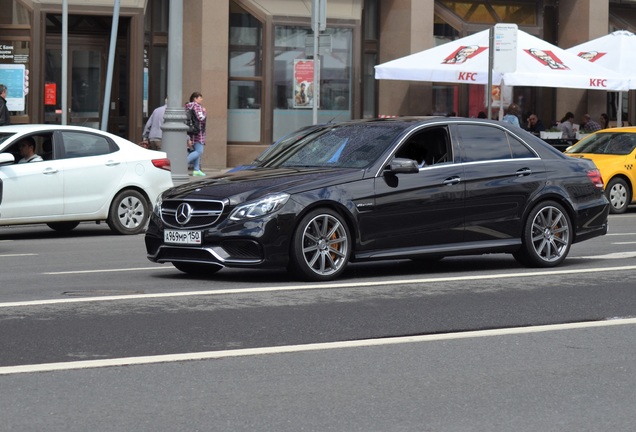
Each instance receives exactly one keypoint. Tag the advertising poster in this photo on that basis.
(304, 84)
(14, 77)
(500, 95)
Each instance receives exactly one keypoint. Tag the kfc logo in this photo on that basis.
(467, 76)
(598, 82)
(591, 55)
(547, 58)
(463, 53)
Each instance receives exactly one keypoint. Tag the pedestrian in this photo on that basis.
(198, 139)
(152, 132)
(588, 125)
(567, 127)
(604, 121)
(5, 117)
(512, 113)
(535, 125)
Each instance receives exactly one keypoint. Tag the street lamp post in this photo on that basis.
(174, 127)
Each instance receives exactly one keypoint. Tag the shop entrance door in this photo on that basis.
(86, 82)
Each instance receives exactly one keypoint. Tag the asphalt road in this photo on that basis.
(95, 337)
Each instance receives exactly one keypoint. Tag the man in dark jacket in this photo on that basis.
(5, 117)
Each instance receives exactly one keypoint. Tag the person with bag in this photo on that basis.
(152, 131)
(196, 117)
(5, 117)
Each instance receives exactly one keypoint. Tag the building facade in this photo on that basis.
(253, 62)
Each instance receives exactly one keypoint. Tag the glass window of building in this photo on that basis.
(293, 78)
(15, 56)
(246, 76)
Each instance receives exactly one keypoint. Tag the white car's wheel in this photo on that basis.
(128, 213)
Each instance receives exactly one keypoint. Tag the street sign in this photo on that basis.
(505, 48)
(318, 15)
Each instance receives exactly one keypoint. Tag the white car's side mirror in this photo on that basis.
(6, 158)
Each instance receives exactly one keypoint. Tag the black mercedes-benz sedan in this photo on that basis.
(416, 188)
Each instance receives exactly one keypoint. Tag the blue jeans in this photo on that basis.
(194, 157)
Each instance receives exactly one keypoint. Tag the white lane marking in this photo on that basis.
(624, 243)
(109, 270)
(17, 255)
(315, 286)
(614, 255)
(210, 355)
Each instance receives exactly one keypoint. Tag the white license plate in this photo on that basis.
(182, 237)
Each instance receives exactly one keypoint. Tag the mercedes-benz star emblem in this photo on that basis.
(184, 213)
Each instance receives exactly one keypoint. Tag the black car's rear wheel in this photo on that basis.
(63, 226)
(196, 268)
(619, 195)
(321, 246)
(128, 213)
(547, 236)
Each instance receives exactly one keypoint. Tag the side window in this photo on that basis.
(427, 147)
(80, 144)
(43, 146)
(482, 143)
(519, 149)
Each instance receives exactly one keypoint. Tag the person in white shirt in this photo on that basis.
(567, 126)
(27, 151)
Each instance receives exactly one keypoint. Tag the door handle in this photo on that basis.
(112, 163)
(451, 181)
(524, 172)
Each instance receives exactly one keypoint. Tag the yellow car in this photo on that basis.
(614, 153)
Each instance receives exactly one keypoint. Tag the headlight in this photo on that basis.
(157, 208)
(263, 206)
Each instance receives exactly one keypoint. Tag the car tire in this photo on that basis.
(618, 193)
(321, 246)
(197, 269)
(128, 213)
(547, 236)
(63, 226)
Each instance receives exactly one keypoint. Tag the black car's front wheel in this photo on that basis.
(547, 236)
(321, 246)
(128, 213)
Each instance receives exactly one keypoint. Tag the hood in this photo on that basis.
(241, 186)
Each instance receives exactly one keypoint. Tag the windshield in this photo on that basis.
(283, 143)
(4, 137)
(338, 146)
(616, 143)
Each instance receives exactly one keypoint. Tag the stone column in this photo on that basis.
(406, 28)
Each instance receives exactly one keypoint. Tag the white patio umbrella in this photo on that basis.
(615, 51)
(465, 61)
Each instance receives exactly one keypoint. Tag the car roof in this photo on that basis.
(630, 129)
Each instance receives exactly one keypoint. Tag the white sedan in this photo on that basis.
(85, 175)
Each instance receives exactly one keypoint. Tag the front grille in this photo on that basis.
(194, 213)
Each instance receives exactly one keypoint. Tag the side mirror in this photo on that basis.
(402, 165)
(6, 158)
